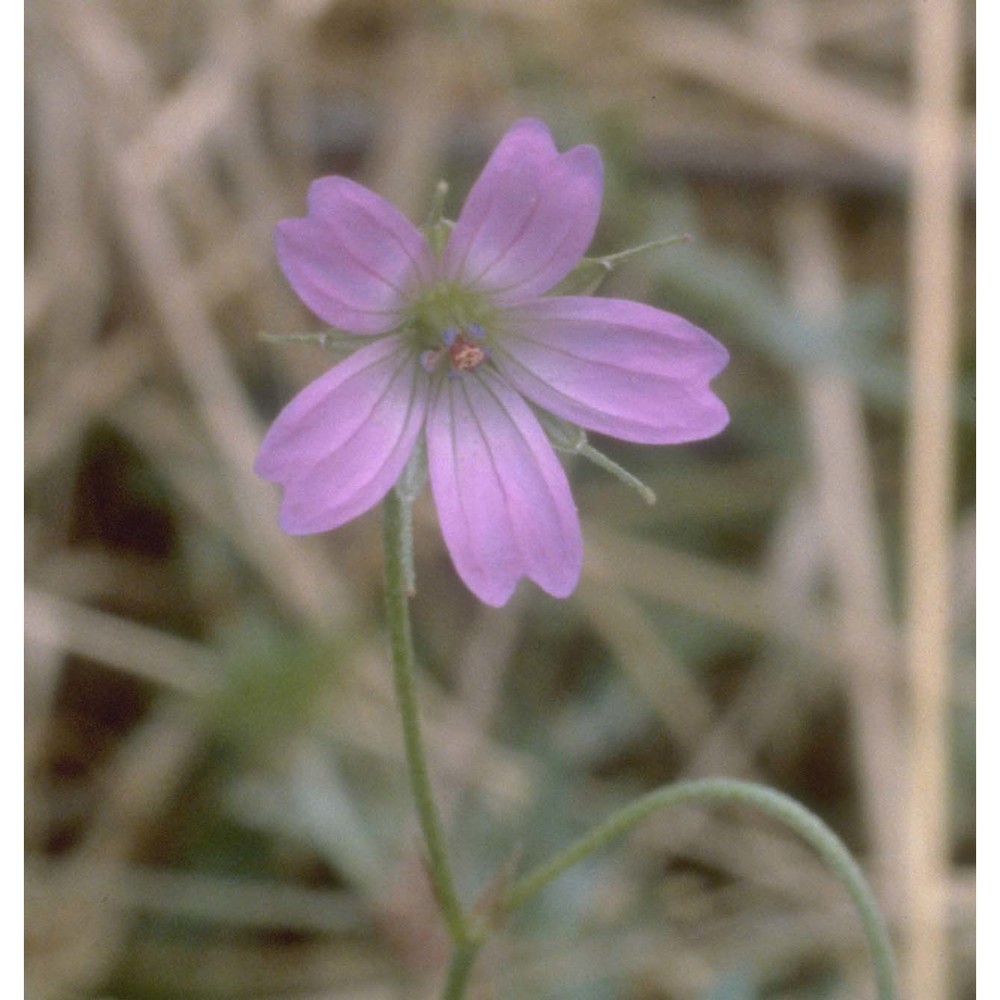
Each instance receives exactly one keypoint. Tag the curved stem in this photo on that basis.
(722, 790)
(398, 615)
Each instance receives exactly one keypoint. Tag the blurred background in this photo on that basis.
(216, 800)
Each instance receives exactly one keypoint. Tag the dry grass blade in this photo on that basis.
(934, 253)
(705, 587)
(686, 711)
(783, 85)
(844, 484)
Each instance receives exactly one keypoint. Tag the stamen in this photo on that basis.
(429, 359)
(465, 355)
(464, 348)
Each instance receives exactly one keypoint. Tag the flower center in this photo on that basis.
(448, 324)
(463, 347)
(464, 352)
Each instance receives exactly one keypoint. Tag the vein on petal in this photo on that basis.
(398, 240)
(350, 191)
(573, 400)
(555, 506)
(471, 549)
(407, 362)
(515, 334)
(341, 244)
(515, 239)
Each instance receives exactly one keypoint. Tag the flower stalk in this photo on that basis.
(460, 970)
(397, 585)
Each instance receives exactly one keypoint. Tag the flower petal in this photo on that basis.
(617, 367)
(503, 500)
(341, 444)
(354, 260)
(528, 218)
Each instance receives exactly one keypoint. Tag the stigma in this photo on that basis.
(463, 348)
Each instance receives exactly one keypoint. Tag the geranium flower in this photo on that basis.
(460, 346)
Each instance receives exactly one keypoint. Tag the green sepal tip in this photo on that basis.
(437, 227)
(408, 487)
(569, 438)
(340, 343)
(589, 274)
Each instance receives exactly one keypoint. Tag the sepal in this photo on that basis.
(590, 273)
(567, 437)
(413, 478)
(340, 343)
(408, 487)
(437, 228)
(564, 436)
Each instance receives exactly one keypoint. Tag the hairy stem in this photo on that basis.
(398, 616)
(460, 970)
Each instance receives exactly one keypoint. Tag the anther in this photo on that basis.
(465, 355)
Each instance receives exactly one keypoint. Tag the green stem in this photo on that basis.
(398, 615)
(460, 970)
(722, 790)
(718, 790)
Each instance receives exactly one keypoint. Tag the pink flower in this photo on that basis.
(460, 346)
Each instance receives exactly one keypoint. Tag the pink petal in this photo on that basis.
(354, 260)
(528, 218)
(341, 444)
(617, 367)
(502, 497)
